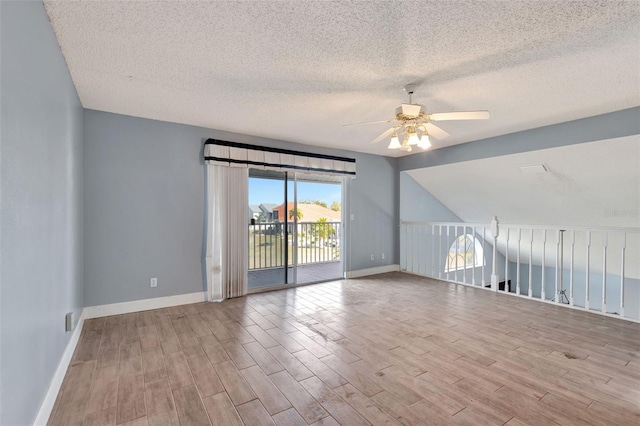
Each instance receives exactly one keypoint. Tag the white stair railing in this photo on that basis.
(532, 261)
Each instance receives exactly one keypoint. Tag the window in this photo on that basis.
(462, 252)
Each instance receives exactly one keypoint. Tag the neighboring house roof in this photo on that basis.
(310, 212)
(267, 207)
(254, 209)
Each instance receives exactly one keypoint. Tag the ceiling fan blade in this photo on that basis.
(384, 134)
(369, 122)
(459, 115)
(435, 131)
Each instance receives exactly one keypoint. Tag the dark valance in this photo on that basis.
(234, 154)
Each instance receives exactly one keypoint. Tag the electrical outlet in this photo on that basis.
(382, 256)
(154, 282)
(372, 257)
(69, 322)
(353, 216)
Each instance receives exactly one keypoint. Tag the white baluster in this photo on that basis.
(506, 264)
(455, 274)
(531, 264)
(425, 239)
(423, 248)
(473, 256)
(544, 246)
(406, 247)
(427, 251)
(557, 299)
(419, 249)
(605, 243)
(433, 250)
(573, 243)
(494, 270)
(410, 252)
(464, 272)
(518, 263)
(416, 249)
(409, 248)
(494, 274)
(563, 295)
(440, 264)
(586, 301)
(448, 241)
(624, 245)
(413, 246)
(484, 250)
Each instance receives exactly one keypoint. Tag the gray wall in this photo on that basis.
(418, 205)
(41, 215)
(144, 206)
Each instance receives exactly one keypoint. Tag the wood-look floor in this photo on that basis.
(389, 349)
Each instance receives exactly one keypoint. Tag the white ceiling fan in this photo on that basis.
(411, 118)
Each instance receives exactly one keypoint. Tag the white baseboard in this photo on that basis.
(143, 305)
(103, 311)
(56, 382)
(372, 271)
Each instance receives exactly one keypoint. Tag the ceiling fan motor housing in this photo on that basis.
(409, 111)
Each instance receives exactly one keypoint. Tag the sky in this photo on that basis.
(272, 191)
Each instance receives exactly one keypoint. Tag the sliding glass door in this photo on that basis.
(269, 241)
(318, 228)
(294, 228)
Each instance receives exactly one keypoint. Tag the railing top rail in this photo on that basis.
(511, 226)
(444, 223)
(300, 222)
(572, 228)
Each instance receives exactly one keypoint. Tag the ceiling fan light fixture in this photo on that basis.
(414, 139)
(424, 143)
(405, 143)
(395, 142)
(416, 124)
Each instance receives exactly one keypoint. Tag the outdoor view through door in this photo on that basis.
(294, 219)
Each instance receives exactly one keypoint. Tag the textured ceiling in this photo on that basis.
(297, 71)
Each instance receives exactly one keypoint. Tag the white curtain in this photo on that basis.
(227, 241)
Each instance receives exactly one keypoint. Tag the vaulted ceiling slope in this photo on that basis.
(595, 184)
(297, 71)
